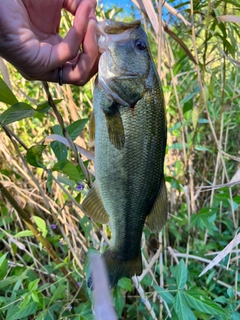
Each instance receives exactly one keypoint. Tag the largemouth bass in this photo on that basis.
(130, 142)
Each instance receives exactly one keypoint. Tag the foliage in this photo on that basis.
(44, 240)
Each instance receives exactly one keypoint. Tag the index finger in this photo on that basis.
(68, 49)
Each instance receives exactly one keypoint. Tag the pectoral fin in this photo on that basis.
(158, 215)
(115, 127)
(93, 207)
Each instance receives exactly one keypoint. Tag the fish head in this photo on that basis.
(125, 65)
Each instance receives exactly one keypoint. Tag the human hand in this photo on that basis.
(30, 41)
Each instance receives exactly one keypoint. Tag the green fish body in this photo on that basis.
(130, 142)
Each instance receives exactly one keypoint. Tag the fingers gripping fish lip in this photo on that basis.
(109, 30)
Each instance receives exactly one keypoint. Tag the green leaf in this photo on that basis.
(3, 266)
(65, 180)
(176, 127)
(20, 313)
(202, 120)
(57, 129)
(50, 313)
(234, 315)
(198, 300)
(66, 167)
(34, 156)
(182, 310)
(33, 285)
(86, 225)
(16, 112)
(25, 233)
(204, 219)
(26, 298)
(10, 280)
(45, 106)
(34, 296)
(60, 265)
(180, 274)
(59, 149)
(118, 301)
(58, 293)
(76, 127)
(6, 94)
(41, 224)
(202, 148)
(166, 295)
(177, 146)
(125, 283)
(230, 293)
(85, 308)
(187, 98)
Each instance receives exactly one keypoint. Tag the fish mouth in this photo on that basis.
(110, 30)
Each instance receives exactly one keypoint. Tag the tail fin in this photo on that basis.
(118, 268)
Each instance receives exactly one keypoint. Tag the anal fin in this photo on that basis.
(158, 215)
(93, 207)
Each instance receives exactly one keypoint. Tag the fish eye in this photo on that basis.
(140, 44)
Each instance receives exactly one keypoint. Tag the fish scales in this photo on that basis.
(130, 142)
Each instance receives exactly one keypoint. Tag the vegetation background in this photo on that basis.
(46, 169)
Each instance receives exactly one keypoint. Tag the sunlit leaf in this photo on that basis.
(176, 145)
(198, 300)
(24, 233)
(33, 285)
(201, 148)
(34, 296)
(68, 168)
(125, 283)
(16, 112)
(76, 127)
(3, 265)
(165, 294)
(118, 301)
(180, 274)
(59, 149)
(58, 292)
(10, 280)
(20, 313)
(6, 94)
(45, 106)
(181, 308)
(41, 224)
